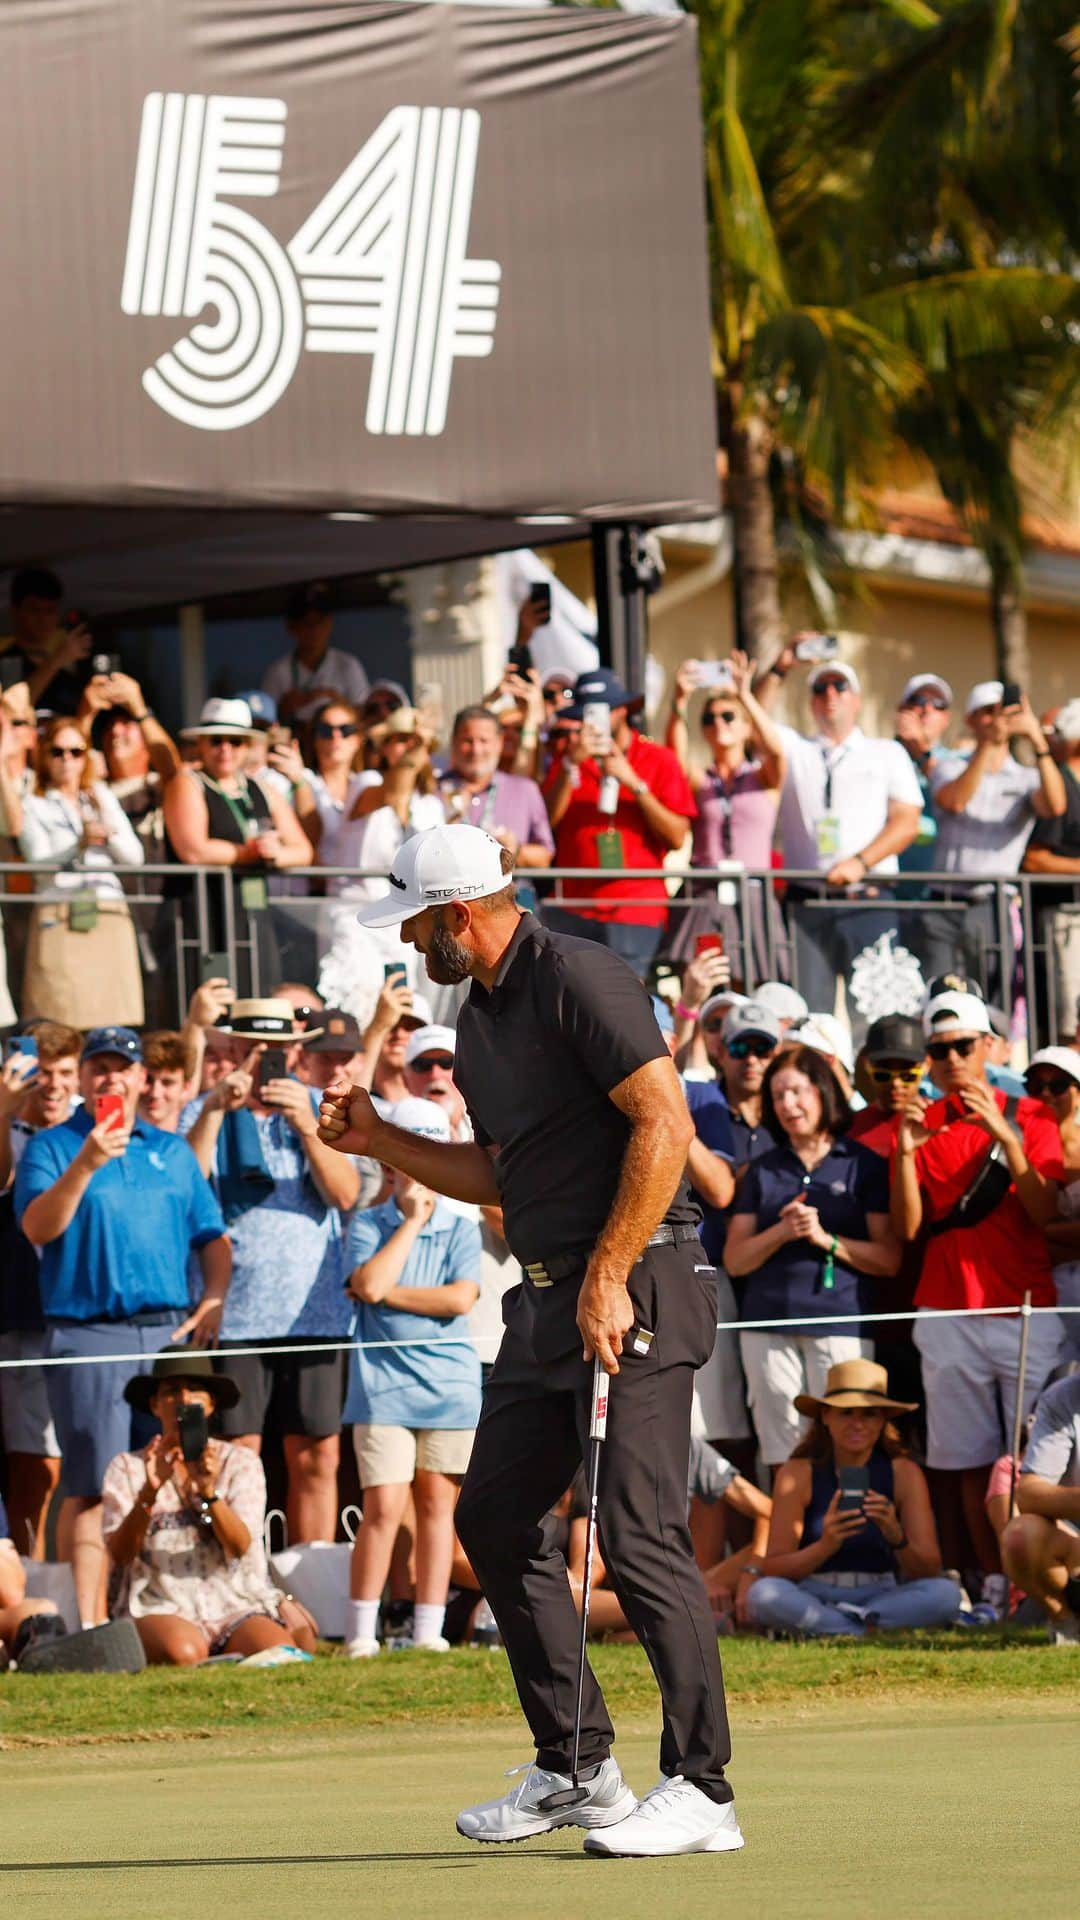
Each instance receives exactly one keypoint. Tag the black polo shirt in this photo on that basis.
(1062, 836)
(536, 1058)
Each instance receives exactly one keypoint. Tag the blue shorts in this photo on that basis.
(93, 1420)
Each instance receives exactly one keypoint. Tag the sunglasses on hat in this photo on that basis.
(941, 1049)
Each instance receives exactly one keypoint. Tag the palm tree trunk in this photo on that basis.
(1009, 616)
(757, 574)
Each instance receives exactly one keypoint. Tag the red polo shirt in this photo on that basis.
(992, 1264)
(640, 903)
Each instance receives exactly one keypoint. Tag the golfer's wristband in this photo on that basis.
(683, 1012)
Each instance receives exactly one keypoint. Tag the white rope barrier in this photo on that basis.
(277, 1351)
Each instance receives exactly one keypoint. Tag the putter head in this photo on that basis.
(566, 1797)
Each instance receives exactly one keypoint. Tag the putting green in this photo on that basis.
(959, 1811)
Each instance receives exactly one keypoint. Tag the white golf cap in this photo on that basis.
(421, 1015)
(421, 1116)
(221, 716)
(727, 997)
(781, 1000)
(927, 683)
(455, 862)
(955, 1013)
(1067, 724)
(833, 669)
(824, 1034)
(429, 1040)
(985, 693)
(1065, 1059)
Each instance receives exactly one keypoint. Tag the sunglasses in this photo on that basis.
(428, 1062)
(1052, 1087)
(67, 753)
(556, 694)
(830, 686)
(941, 1049)
(326, 729)
(881, 1076)
(751, 1048)
(721, 716)
(216, 740)
(939, 705)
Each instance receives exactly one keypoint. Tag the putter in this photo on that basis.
(573, 1796)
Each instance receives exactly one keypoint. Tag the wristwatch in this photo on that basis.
(754, 1572)
(642, 787)
(209, 1498)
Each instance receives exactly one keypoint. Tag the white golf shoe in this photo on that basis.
(675, 1817)
(363, 1649)
(520, 1813)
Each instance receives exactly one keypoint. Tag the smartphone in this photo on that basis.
(519, 660)
(105, 662)
(597, 715)
(713, 673)
(394, 970)
(213, 966)
(1011, 694)
(109, 1110)
(854, 1487)
(21, 1043)
(194, 1433)
(708, 943)
(817, 647)
(540, 598)
(272, 1065)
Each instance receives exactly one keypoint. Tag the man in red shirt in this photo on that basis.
(970, 1366)
(615, 801)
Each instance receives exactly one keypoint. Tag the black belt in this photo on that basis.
(546, 1273)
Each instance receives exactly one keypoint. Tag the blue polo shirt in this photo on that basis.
(711, 1115)
(850, 1183)
(126, 1249)
(432, 1386)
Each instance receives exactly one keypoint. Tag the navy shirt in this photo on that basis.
(712, 1123)
(850, 1183)
(126, 1249)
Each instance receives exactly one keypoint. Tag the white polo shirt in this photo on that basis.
(850, 785)
(336, 669)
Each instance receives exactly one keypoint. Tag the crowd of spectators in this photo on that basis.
(163, 1187)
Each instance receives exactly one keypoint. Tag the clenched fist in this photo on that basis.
(348, 1121)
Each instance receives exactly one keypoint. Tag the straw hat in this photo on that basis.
(855, 1383)
(221, 716)
(404, 721)
(265, 1020)
(197, 1369)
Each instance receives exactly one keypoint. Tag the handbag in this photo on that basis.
(315, 1573)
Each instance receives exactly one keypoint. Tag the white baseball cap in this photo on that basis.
(830, 669)
(456, 862)
(781, 1000)
(727, 997)
(1067, 724)
(920, 681)
(955, 1013)
(429, 1040)
(985, 693)
(421, 1116)
(824, 1034)
(1065, 1059)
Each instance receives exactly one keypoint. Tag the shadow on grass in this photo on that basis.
(456, 1858)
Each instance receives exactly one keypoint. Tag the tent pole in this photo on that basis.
(623, 576)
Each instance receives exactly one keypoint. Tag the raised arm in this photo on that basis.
(349, 1123)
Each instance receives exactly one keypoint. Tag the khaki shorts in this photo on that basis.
(391, 1456)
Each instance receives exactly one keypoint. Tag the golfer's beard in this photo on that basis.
(447, 961)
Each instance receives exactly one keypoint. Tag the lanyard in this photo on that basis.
(724, 797)
(241, 806)
(830, 768)
(491, 799)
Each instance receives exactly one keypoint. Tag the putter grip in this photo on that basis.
(598, 1416)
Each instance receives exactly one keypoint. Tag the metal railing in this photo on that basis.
(184, 912)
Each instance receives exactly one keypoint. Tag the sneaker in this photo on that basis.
(1065, 1631)
(520, 1813)
(405, 1643)
(995, 1593)
(362, 1649)
(485, 1628)
(676, 1817)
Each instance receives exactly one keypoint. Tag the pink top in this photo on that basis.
(736, 818)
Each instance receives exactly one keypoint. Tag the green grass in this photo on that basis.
(456, 1689)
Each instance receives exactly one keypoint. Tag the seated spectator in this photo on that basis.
(188, 1536)
(216, 816)
(15, 1608)
(839, 1564)
(312, 671)
(115, 1205)
(986, 1189)
(849, 806)
(1054, 852)
(1041, 1546)
(169, 1083)
(810, 1228)
(283, 1195)
(52, 656)
(82, 959)
(651, 809)
(36, 1091)
(415, 1271)
(737, 797)
(475, 790)
(1053, 1078)
(987, 805)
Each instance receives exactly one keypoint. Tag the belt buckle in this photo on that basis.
(538, 1275)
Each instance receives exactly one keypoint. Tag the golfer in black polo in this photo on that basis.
(581, 1136)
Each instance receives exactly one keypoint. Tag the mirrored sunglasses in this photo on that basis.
(881, 1076)
(753, 1046)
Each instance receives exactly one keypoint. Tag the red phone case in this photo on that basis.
(709, 943)
(109, 1108)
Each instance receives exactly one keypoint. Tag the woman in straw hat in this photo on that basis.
(852, 1543)
(187, 1536)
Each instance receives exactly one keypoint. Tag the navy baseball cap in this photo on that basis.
(122, 1040)
(315, 596)
(602, 687)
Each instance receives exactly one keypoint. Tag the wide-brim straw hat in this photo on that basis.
(196, 1368)
(403, 722)
(855, 1383)
(222, 716)
(268, 1020)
